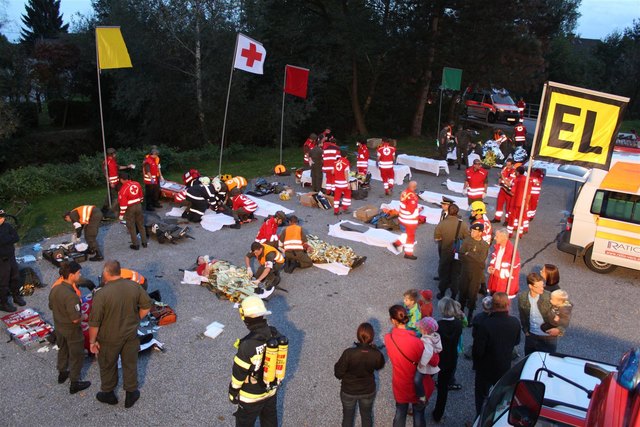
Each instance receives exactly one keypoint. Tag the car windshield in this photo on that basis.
(502, 99)
(500, 398)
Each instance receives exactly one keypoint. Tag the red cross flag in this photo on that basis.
(250, 55)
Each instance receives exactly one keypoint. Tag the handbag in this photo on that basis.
(405, 356)
(163, 314)
(457, 243)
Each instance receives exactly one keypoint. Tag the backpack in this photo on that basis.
(29, 280)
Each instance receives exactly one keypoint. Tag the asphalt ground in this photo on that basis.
(187, 384)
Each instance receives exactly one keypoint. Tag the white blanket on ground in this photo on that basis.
(335, 268)
(400, 172)
(266, 208)
(192, 278)
(372, 237)
(211, 221)
(424, 164)
(456, 187)
(432, 214)
(431, 197)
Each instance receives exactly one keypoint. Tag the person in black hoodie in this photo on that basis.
(355, 369)
(450, 329)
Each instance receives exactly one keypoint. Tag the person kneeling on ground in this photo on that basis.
(243, 208)
(294, 243)
(270, 260)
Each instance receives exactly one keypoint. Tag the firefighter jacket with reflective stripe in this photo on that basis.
(151, 169)
(293, 238)
(130, 193)
(133, 275)
(248, 364)
(487, 231)
(242, 201)
(198, 199)
(476, 181)
(386, 156)
(363, 156)
(408, 208)
(111, 170)
(268, 232)
(341, 173)
(329, 153)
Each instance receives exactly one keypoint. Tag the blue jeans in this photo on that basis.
(400, 418)
(417, 382)
(365, 404)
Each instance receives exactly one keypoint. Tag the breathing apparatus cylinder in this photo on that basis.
(283, 349)
(270, 360)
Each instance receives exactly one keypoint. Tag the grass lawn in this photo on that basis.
(42, 217)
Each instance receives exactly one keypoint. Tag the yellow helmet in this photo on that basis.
(279, 169)
(253, 306)
(479, 206)
(225, 177)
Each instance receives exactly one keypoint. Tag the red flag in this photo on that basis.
(296, 81)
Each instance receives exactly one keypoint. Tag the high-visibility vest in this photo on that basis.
(84, 213)
(236, 182)
(154, 169)
(293, 238)
(125, 273)
(266, 250)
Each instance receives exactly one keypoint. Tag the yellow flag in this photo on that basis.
(112, 52)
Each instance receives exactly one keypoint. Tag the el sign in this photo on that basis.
(578, 126)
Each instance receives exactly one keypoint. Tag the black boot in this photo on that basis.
(17, 299)
(132, 398)
(7, 306)
(108, 397)
(77, 386)
(97, 257)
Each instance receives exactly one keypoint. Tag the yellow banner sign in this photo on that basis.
(112, 51)
(578, 126)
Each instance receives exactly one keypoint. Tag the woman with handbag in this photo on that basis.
(405, 350)
(355, 369)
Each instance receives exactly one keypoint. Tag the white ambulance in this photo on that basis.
(604, 227)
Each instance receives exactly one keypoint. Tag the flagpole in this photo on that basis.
(104, 143)
(226, 107)
(526, 189)
(284, 83)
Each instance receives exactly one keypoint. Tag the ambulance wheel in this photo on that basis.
(597, 266)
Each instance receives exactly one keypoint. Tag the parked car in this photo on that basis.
(492, 106)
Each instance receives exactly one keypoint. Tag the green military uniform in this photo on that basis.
(448, 268)
(65, 305)
(270, 260)
(115, 312)
(473, 254)
(90, 229)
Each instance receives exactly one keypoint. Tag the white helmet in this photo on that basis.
(253, 306)
(205, 180)
(217, 185)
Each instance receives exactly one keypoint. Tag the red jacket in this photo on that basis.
(111, 170)
(151, 169)
(520, 134)
(518, 190)
(130, 193)
(309, 144)
(329, 153)
(476, 180)
(498, 280)
(268, 232)
(386, 156)
(409, 210)
(363, 157)
(341, 172)
(242, 201)
(404, 370)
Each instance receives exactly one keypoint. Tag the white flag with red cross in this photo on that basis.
(250, 55)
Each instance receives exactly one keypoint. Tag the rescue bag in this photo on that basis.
(163, 314)
(322, 201)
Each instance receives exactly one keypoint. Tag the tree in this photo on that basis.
(43, 20)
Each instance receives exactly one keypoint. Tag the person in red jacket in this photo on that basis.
(537, 176)
(152, 174)
(520, 134)
(505, 181)
(342, 189)
(329, 153)
(307, 147)
(362, 162)
(409, 212)
(130, 200)
(517, 202)
(476, 182)
(268, 233)
(386, 159)
(521, 106)
(242, 207)
(500, 266)
(405, 350)
(111, 170)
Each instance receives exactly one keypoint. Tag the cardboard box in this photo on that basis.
(308, 200)
(366, 213)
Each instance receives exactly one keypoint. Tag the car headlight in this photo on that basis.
(501, 110)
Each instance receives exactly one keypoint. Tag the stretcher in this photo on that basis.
(400, 172)
(169, 189)
(424, 164)
(369, 236)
